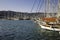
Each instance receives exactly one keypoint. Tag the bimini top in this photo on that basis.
(49, 19)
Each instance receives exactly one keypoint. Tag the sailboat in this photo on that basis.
(50, 23)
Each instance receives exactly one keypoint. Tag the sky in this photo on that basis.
(23, 5)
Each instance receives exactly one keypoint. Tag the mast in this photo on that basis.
(47, 8)
(53, 9)
(58, 14)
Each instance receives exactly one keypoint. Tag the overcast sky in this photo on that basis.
(22, 5)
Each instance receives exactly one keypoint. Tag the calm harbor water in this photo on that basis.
(24, 30)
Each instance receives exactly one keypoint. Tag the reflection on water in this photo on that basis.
(24, 30)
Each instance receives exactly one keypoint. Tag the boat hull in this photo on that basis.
(48, 28)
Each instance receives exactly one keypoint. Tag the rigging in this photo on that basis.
(33, 6)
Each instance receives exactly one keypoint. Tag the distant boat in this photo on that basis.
(27, 19)
(16, 19)
(20, 18)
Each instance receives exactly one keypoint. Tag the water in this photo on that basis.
(23, 30)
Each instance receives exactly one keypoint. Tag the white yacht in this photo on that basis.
(49, 24)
